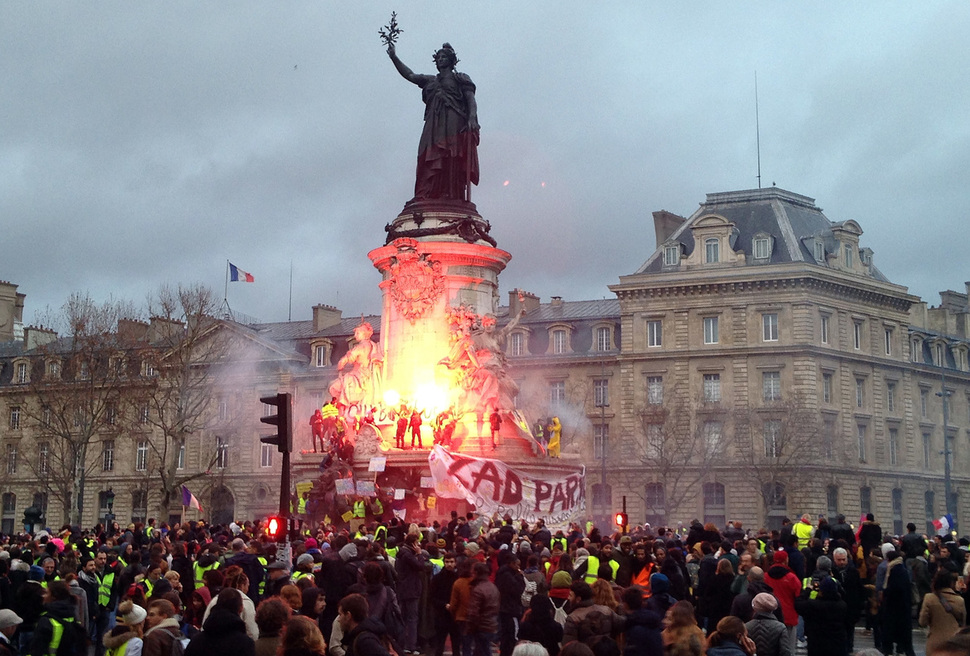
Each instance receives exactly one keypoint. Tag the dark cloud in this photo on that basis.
(144, 144)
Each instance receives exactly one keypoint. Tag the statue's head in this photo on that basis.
(363, 331)
(445, 57)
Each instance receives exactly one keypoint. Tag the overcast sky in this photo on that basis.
(147, 143)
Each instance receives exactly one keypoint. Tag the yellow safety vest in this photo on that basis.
(262, 582)
(360, 509)
(105, 583)
(592, 567)
(560, 541)
(117, 651)
(300, 575)
(302, 507)
(392, 552)
(329, 410)
(200, 573)
(57, 633)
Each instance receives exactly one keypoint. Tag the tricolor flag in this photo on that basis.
(238, 275)
(943, 524)
(189, 499)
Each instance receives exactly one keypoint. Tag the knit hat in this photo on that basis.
(348, 551)
(561, 580)
(36, 573)
(780, 558)
(130, 613)
(9, 618)
(764, 602)
(659, 583)
(311, 543)
(886, 548)
(304, 559)
(441, 543)
(471, 548)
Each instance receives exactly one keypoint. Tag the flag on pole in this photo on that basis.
(943, 524)
(238, 275)
(189, 499)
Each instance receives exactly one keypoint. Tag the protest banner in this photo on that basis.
(492, 486)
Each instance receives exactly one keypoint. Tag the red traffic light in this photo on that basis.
(274, 527)
(620, 519)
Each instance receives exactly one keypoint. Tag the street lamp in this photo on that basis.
(109, 497)
(944, 395)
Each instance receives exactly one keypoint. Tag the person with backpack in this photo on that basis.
(943, 611)
(58, 631)
(163, 630)
(540, 625)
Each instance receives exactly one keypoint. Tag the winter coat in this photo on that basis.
(158, 639)
(248, 615)
(410, 574)
(483, 608)
(842, 531)
(870, 535)
(366, 639)
(727, 648)
(826, 621)
(547, 632)
(642, 632)
(741, 606)
(590, 623)
(223, 633)
(942, 624)
(60, 611)
(120, 635)
(770, 635)
(786, 587)
(716, 602)
(511, 585)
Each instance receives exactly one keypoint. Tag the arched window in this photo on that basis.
(712, 250)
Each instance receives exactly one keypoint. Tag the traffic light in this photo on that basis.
(283, 419)
(274, 528)
(621, 519)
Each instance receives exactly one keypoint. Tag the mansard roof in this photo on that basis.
(794, 222)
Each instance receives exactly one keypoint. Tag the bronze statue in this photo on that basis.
(448, 150)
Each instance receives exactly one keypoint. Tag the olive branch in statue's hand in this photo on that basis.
(391, 31)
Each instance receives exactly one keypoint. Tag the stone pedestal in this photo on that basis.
(439, 257)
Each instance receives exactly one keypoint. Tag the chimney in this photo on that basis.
(664, 225)
(130, 330)
(163, 329)
(35, 336)
(556, 301)
(325, 316)
(530, 302)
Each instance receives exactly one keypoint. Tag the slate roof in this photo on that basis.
(567, 311)
(792, 219)
(287, 331)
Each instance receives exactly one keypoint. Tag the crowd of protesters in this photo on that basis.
(475, 585)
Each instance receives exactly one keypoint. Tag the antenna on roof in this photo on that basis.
(757, 125)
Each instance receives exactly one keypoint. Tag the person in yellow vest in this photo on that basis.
(304, 568)
(803, 531)
(206, 561)
(126, 638)
(554, 431)
(606, 557)
(57, 627)
(152, 575)
(304, 499)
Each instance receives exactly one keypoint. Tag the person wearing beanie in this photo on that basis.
(304, 567)
(826, 617)
(767, 631)
(9, 621)
(786, 587)
(125, 639)
(660, 600)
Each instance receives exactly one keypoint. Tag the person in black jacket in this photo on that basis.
(59, 610)
(643, 626)
(410, 585)
(511, 584)
(224, 632)
(363, 636)
(842, 531)
(825, 619)
(439, 597)
(540, 625)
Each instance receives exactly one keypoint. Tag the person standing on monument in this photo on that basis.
(494, 423)
(448, 150)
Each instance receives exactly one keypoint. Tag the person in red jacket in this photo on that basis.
(786, 587)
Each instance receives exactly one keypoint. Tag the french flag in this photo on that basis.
(238, 275)
(943, 524)
(189, 499)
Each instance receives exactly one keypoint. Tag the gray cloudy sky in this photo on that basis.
(144, 143)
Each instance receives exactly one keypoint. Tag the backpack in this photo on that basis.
(390, 614)
(560, 613)
(178, 646)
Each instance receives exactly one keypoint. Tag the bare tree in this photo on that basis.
(677, 441)
(773, 444)
(184, 350)
(74, 395)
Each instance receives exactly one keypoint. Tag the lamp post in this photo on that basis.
(110, 499)
(944, 395)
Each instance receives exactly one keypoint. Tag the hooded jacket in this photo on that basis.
(223, 633)
(786, 587)
(62, 611)
(119, 636)
(365, 639)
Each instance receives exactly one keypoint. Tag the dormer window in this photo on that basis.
(761, 247)
(820, 252)
(559, 341)
(22, 373)
(672, 255)
(517, 344)
(848, 256)
(712, 251)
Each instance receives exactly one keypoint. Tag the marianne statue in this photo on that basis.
(448, 150)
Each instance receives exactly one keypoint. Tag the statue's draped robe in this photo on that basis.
(448, 150)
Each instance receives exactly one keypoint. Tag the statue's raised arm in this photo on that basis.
(448, 150)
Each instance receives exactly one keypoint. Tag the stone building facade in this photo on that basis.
(758, 365)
